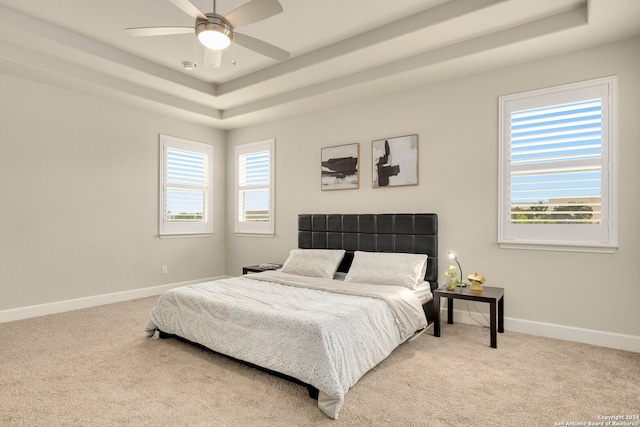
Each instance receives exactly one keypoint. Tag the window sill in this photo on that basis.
(184, 235)
(242, 234)
(560, 247)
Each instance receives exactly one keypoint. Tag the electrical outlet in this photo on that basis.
(164, 269)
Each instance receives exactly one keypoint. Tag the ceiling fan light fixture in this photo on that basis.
(214, 33)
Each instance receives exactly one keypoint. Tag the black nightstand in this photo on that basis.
(260, 268)
(494, 296)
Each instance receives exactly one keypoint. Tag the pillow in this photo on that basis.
(382, 268)
(313, 262)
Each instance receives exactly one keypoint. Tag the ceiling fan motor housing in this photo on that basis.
(215, 23)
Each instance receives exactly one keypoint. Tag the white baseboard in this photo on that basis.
(21, 313)
(550, 330)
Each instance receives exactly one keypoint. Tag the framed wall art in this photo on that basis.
(340, 168)
(395, 161)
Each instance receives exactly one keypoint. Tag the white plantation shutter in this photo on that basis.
(186, 183)
(254, 181)
(185, 200)
(556, 164)
(254, 187)
(557, 167)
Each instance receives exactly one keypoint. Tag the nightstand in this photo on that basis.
(494, 296)
(258, 268)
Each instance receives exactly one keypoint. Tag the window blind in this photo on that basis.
(254, 176)
(186, 190)
(255, 188)
(186, 185)
(556, 164)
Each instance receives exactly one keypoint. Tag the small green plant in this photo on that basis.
(451, 277)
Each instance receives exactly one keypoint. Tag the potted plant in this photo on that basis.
(451, 277)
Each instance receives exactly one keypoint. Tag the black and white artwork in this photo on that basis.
(395, 161)
(340, 167)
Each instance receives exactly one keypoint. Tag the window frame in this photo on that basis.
(267, 228)
(561, 237)
(186, 229)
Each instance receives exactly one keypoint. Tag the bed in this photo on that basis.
(343, 301)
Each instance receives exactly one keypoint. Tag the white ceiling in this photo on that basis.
(341, 50)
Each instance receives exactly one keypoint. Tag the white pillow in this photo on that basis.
(383, 268)
(313, 262)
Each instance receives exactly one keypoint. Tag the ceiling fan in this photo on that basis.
(216, 32)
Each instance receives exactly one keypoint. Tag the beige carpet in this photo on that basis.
(94, 367)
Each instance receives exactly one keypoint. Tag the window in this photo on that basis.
(558, 185)
(254, 212)
(185, 187)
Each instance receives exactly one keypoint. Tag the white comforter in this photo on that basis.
(322, 332)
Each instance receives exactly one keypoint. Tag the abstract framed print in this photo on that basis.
(395, 161)
(339, 165)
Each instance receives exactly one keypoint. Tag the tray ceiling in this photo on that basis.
(341, 50)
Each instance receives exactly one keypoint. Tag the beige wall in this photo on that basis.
(79, 198)
(458, 149)
(69, 162)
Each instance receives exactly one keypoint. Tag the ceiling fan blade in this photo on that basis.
(158, 31)
(188, 8)
(261, 47)
(211, 58)
(254, 11)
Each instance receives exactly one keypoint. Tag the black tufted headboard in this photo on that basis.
(408, 233)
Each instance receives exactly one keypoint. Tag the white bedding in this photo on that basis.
(323, 332)
(422, 290)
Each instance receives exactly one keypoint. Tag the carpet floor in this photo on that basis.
(95, 367)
